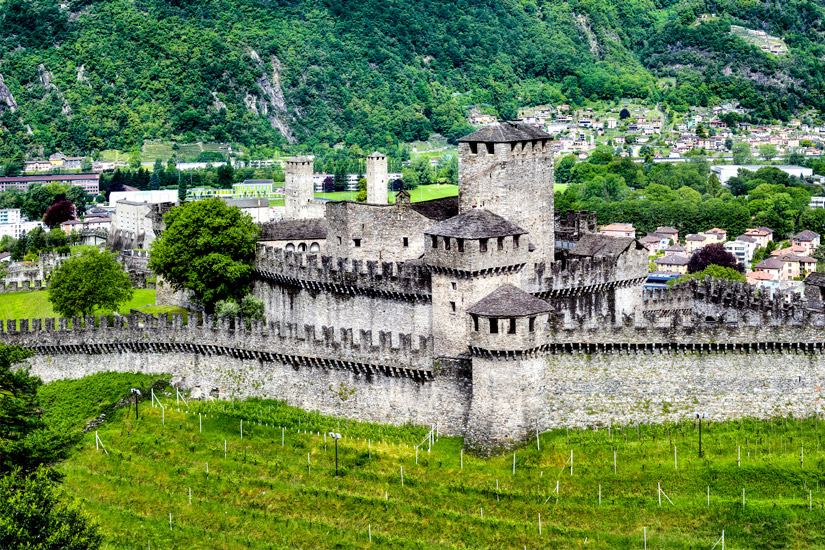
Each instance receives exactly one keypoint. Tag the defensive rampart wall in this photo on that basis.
(585, 374)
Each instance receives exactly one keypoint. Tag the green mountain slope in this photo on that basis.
(109, 74)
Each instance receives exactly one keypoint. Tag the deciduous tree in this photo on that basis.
(208, 248)
(90, 281)
(712, 254)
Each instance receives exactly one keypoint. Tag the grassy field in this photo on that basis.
(35, 304)
(269, 492)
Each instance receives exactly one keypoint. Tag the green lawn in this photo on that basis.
(265, 494)
(35, 305)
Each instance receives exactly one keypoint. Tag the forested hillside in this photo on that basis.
(90, 75)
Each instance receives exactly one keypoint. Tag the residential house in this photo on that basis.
(759, 277)
(672, 264)
(743, 248)
(653, 243)
(619, 230)
(806, 239)
(762, 235)
(773, 267)
(715, 235)
(676, 250)
(670, 232)
(694, 242)
(793, 249)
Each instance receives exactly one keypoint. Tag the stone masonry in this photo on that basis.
(488, 314)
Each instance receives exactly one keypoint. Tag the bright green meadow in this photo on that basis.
(35, 304)
(277, 488)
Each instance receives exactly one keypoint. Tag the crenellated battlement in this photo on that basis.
(266, 341)
(730, 302)
(583, 275)
(343, 275)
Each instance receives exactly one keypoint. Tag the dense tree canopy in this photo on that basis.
(367, 73)
(34, 515)
(208, 248)
(712, 254)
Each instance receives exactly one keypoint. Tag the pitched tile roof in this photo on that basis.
(294, 230)
(806, 235)
(505, 132)
(477, 223)
(600, 245)
(509, 301)
(672, 260)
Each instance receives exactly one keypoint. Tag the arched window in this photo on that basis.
(302, 247)
(290, 247)
(315, 247)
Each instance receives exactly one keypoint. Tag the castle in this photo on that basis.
(486, 313)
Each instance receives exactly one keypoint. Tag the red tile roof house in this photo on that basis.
(763, 235)
(806, 239)
(670, 232)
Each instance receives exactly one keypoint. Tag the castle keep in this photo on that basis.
(486, 313)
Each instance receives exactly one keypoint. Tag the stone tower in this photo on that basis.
(299, 190)
(469, 256)
(377, 179)
(507, 167)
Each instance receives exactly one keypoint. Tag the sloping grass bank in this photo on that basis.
(277, 488)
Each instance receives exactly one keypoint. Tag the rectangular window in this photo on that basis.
(512, 329)
(406, 242)
(446, 243)
(452, 306)
(454, 285)
(532, 324)
(490, 148)
(460, 245)
(515, 241)
(357, 242)
(434, 241)
(475, 322)
(473, 148)
(493, 326)
(482, 245)
(501, 243)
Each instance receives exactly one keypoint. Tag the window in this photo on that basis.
(473, 148)
(290, 247)
(434, 241)
(315, 247)
(475, 322)
(357, 243)
(446, 243)
(454, 285)
(452, 306)
(501, 243)
(532, 324)
(493, 326)
(515, 241)
(339, 240)
(302, 247)
(490, 148)
(406, 242)
(482, 245)
(460, 245)
(512, 329)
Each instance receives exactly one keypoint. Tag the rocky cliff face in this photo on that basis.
(5, 97)
(270, 101)
(46, 81)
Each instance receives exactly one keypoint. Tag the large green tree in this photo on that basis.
(35, 516)
(25, 440)
(208, 248)
(87, 282)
